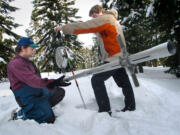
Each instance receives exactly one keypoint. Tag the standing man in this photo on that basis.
(35, 96)
(107, 28)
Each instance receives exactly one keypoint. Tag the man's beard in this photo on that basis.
(29, 57)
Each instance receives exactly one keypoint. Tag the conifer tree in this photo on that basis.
(167, 17)
(47, 14)
(96, 58)
(7, 37)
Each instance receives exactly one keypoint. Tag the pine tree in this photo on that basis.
(96, 58)
(86, 54)
(7, 37)
(167, 17)
(45, 17)
(90, 56)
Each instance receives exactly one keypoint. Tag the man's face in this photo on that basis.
(28, 52)
(94, 15)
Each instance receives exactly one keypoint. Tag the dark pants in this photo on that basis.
(56, 97)
(122, 80)
(37, 103)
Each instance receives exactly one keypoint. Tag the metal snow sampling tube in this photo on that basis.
(160, 51)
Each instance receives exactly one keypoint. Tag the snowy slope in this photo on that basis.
(157, 113)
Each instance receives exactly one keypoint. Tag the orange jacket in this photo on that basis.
(106, 26)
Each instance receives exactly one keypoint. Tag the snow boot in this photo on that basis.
(127, 108)
(17, 114)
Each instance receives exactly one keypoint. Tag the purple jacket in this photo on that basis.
(21, 71)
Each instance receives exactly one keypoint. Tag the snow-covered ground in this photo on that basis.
(157, 109)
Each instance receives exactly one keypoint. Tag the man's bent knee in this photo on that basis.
(58, 95)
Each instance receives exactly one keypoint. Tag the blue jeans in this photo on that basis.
(36, 103)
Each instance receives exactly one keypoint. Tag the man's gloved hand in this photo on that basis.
(58, 82)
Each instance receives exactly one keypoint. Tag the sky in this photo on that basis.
(22, 16)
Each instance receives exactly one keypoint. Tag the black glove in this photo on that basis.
(58, 82)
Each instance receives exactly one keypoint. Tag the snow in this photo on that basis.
(157, 109)
(109, 3)
(130, 16)
(150, 9)
(2, 60)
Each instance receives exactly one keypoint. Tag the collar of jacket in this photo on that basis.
(23, 58)
(112, 12)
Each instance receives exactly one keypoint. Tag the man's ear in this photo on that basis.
(22, 48)
(100, 13)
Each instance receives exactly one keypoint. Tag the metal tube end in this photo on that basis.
(171, 47)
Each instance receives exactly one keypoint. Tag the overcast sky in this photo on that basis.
(22, 16)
